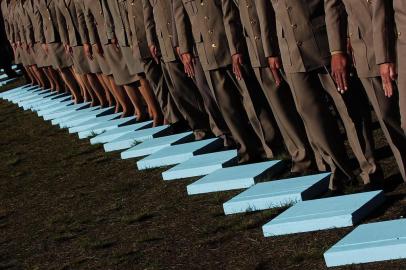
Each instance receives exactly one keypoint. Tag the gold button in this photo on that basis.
(205, 17)
(132, 4)
(252, 21)
(101, 12)
(49, 18)
(213, 45)
(399, 34)
(294, 26)
(256, 37)
(210, 31)
(202, 3)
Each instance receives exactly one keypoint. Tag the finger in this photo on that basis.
(275, 76)
(344, 81)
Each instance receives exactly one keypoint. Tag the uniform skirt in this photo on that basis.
(102, 63)
(80, 61)
(58, 56)
(40, 56)
(115, 59)
(134, 65)
(28, 58)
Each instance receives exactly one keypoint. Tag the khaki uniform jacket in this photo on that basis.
(158, 27)
(136, 32)
(301, 29)
(49, 20)
(216, 29)
(116, 21)
(95, 21)
(68, 22)
(370, 32)
(257, 40)
(35, 20)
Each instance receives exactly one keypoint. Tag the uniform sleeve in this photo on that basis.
(82, 28)
(149, 22)
(108, 18)
(232, 26)
(267, 24)
(29, 28)
(62, 29)
(183, 32)
(336, 23)
(383, 33)
(90, 25)
(40, 21)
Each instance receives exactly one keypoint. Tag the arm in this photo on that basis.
(384, 44)
(38, 16)
(61, 22)
(108, 17)
(336, 23)
(232, 26)
(149, 23)
(83, 32)
(150, 29)
(90, 26)
(183, 32)
(267, 24)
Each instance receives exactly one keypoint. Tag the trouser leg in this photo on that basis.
(387, 112)
(288, 120)
(230, 100)
(321, 126)
(187, 98)
(217, 123)
(352, 108)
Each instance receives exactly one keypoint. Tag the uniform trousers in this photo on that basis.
(243, 119)
(387, 112)
(322, 128)
(288, 120)
(186, 97)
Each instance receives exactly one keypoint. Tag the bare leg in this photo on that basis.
(50, 81)
(136, 100)
(153, 107)
(69, 80)
(90, 90)
(110, 92)
(122, 97)
(40, 76)
(54, 76)
(97, 87)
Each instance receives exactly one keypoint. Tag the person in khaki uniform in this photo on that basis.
(100, 69)
(54, 48)
(217, 123)
(157, 19)
(369, 28)
(25, 31)
(400, 20)
(84, 68)
(304, 48)
(151, 69)
(111, 59)
(263, 48)
(117, 28)
(10, 11)
(216, 30)
(34, 44)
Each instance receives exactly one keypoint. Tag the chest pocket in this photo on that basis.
(191, 6)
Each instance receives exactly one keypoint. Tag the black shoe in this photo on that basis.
(373, 186)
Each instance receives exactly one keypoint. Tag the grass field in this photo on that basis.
(65, 204)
